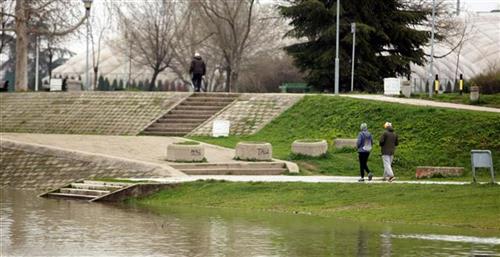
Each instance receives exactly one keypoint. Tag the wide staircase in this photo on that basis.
(189, 114)
(86, 190)
(233, 168)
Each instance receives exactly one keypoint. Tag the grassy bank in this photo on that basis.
(484, 100)
(428, 136)
(474, 206)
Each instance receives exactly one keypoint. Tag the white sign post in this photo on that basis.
(56, 85)
(220, 128)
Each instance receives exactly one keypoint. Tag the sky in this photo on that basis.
(471, 5)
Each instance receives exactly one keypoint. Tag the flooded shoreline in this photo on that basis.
(47, 227)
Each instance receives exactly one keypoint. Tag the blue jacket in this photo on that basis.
(362, 137)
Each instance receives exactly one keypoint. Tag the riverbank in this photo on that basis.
(468, 206)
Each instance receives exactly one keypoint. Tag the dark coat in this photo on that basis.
(388, 142)
(197, 66)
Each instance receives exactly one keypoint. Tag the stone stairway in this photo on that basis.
(233, 168)
(86, 190)
(189, 114)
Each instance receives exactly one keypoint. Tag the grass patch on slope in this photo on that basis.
(428, 136)
(474, 206)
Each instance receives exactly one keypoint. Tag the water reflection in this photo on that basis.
(33, 226)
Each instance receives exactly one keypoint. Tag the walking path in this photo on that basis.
(150, 149)
(304, 179)
(420, 102)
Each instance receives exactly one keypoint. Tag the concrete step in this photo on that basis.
(86, 197)
(193, 112)
(187, 116)
(169, 129)
(221, 94)
(161, 133)
(230, 165)
(250, 171)
(180, 126)
(207, 102)
(107, 183)
(199, 107)
(176, 121)
(94, 187)
(77, 191)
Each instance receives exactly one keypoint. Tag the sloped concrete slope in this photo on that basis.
(102, 113)
(250, 112)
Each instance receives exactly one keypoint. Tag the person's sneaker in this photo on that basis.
(392, 179)
(370, 176)
(361, 180)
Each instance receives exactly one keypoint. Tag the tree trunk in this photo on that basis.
(21, 47)
(228, 78)
(96, 70)
(153, 80)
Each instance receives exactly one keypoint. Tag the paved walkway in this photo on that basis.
(141, 148)
(420, 102)
(305, 179)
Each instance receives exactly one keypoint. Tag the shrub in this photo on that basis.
(488, 82)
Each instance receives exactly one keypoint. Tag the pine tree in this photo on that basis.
(100, 83)
(106, 84)
(120, 85)
(386, 40)
(114, 85)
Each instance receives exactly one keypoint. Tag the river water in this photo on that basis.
(32, 226)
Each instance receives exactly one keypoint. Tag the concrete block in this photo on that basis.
(185, 153)
(344, 142)
(430, 171)
(310, 148)
(254, 151)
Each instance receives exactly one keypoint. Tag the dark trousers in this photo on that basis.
(363, 163)
(197, 82)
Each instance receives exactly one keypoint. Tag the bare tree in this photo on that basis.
(59, 15)
(99, 27)
(149, 31)
(231, 23)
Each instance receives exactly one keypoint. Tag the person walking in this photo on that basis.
(364, 146)
(388, 143)
(197, 71)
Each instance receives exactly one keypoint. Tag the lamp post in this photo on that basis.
(337, 51)
(353, 31)
(88, 4)
(432, 47)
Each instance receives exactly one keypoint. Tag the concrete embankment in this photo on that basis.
(33, 166)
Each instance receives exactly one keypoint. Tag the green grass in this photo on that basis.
(187, 143)
(484, 100)
(428, 136)
(473, 206)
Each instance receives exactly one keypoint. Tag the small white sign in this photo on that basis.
(56, 85)
(392, 86)
(220, 128)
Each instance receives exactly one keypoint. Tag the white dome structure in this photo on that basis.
(113, 65)
(480, 51)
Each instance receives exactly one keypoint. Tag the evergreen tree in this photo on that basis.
(120, 85)
(114, 85)
(386, 40)
(100, 83)
(141, 85)
(159, 85)
(106, 85)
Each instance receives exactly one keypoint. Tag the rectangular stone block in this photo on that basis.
(430, 171)
(344, 142)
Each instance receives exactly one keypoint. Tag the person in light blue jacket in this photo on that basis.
(364, 146)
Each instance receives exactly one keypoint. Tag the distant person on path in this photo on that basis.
(197, 70)
(388, 143)
(364, 145)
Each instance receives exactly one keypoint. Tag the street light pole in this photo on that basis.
(88, 4)
(337, 51)
(353, 60)
(432, 48)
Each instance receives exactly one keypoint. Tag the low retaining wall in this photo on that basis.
(429, 171)
(137, 190)
(344, 142)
